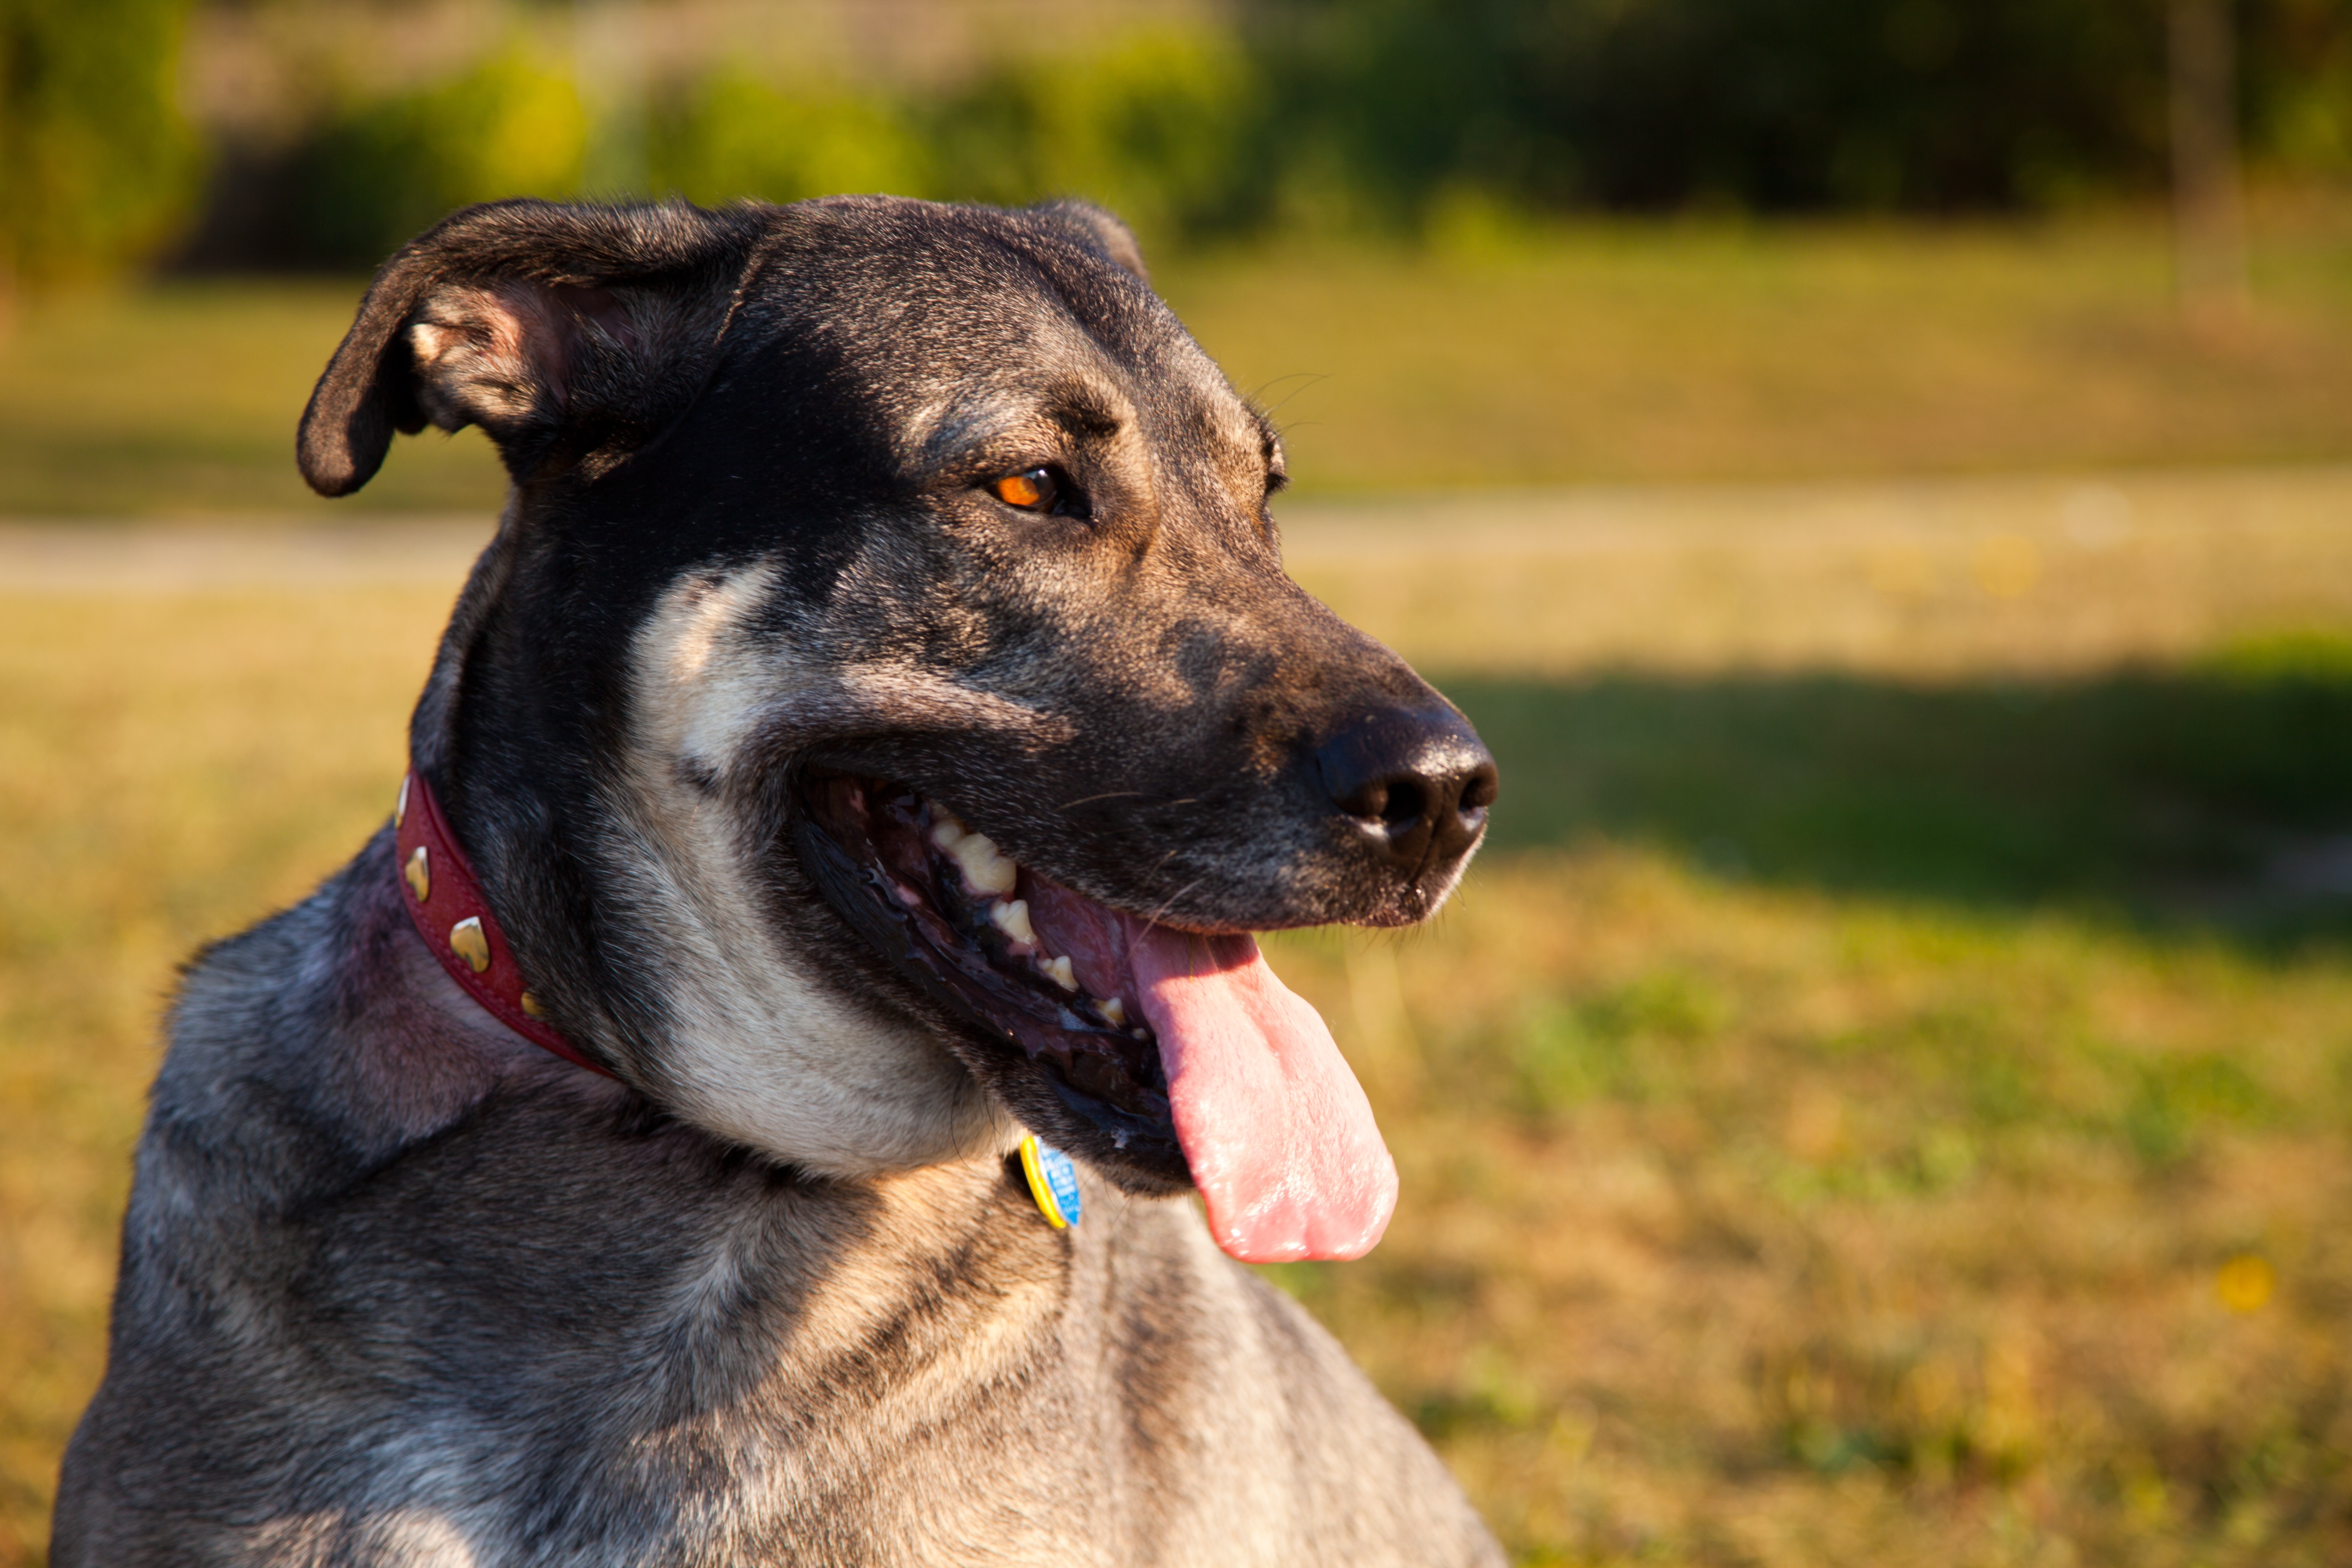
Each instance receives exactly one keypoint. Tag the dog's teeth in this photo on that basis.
(1114, 1010)
(946, 831)
(1058, 971)
(1012, 918)
(983, 867)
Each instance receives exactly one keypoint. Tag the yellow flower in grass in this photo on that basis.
(2245, 1283)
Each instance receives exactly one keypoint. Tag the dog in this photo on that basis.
(839, 809)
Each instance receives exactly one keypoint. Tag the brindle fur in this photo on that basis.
(397, 1286)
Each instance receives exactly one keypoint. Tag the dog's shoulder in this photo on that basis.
(1261, 1439)
(312, 1046)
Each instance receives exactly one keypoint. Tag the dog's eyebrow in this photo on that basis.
(959, 426)
(1087, 410)
(949, 428)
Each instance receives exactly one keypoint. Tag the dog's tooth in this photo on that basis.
(1114, 1010)
(987, 870)
(1058, 971)
(946, 831)
(1011, 917)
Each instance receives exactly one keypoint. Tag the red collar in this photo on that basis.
(455, 919)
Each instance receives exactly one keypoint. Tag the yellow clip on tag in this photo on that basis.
(1052, 1182)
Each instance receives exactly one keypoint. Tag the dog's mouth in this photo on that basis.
(1171, 1055)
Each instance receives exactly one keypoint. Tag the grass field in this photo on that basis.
(1886, 1096)
(1491, 356)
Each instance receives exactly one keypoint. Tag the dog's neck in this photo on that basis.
(446, 902)
(446, 905)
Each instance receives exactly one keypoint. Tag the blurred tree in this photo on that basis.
(608, 54)
(733, 134)
(1163, 127)
(1324, 113)
(2294, 81)
(95, 167)
(382, 171)
(1924, 104)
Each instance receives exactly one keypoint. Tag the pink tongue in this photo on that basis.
(1280, 1139)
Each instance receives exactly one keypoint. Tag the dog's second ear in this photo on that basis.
(1099, 231)
(571, 334)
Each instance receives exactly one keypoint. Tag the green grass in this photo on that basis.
(183, 400)
(1650, 353)
(1936, 580)
(1490, 356)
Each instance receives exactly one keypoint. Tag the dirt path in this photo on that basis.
(101, 555)
(1927, 577)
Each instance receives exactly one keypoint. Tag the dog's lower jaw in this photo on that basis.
(761, 1056)
(727, 1085)
(752, 1044)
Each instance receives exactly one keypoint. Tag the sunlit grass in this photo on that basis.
(1756, 1225)
(1774, 1194)
(171, 768)
(1730, 351)
(1886, 1097)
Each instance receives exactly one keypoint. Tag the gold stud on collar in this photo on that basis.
(533, 1005)
(419, 873)
(400, 806)
(467, 941)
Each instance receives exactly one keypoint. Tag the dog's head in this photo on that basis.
(883, 707)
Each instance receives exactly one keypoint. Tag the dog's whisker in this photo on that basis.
(1171, 901)
(1305, 379)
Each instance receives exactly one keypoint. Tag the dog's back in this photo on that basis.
(764, 1284)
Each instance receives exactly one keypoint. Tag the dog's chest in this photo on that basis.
(663, 1355)
(538, 1340)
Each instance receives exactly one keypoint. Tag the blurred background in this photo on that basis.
(1879, 472)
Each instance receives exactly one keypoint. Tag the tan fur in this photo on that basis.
(759, 1052)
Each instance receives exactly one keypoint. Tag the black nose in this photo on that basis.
(1418, 779)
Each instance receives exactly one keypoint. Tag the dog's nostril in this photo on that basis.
(1478, 792)
(1395, 804)
(1369, 800)
(1407, 802)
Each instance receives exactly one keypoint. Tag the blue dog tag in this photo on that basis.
(1052, 1182)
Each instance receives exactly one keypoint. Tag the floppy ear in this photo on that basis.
(1099, 231)
(569, 334)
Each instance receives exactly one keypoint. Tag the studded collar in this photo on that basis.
(453, 916)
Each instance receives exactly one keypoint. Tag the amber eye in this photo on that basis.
(1031, 490)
